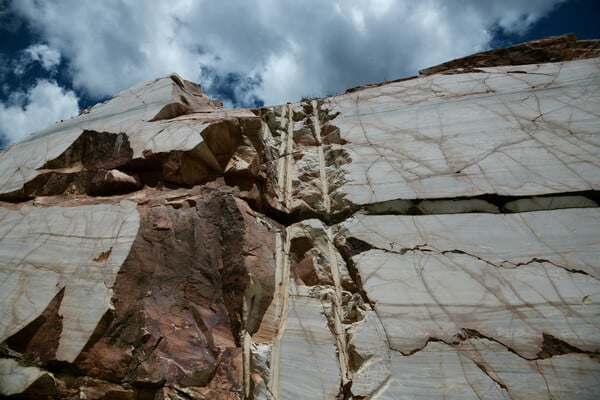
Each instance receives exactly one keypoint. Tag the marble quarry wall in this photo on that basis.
(431, 237)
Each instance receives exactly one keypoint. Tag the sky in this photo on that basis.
(60, 56)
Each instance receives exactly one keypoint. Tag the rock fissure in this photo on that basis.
(496, 204)
(483, 369)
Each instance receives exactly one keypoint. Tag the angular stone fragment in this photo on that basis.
(166, 125)
(16, 379)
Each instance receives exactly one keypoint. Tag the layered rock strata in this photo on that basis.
(436, 237)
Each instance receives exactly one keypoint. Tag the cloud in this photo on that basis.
(236, 89)
(276, 51)
(49, 58)
(111, 45)
(39, 107)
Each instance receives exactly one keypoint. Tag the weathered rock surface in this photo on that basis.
(436, 237)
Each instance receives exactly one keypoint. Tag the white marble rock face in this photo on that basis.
(437, 237)
(480, 297)
(448, 305)
(525, 132)
(76, 249)
(494, 131)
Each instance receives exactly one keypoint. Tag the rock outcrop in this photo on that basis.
(435, 237)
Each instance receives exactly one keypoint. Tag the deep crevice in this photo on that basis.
(62, 368)
(289, 218)
(415, 207)
(481, 203)
(181, 393)
(348, 249)
(552, 346)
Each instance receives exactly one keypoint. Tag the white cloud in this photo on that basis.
(359, 19)
(297, 47)
(284, 77)
(39, 107)
(49, 58)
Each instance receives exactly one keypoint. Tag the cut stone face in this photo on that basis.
(441, 295)
(307, 337)
(76, 249)
(432, 237)
(567, 238)
(424, 138)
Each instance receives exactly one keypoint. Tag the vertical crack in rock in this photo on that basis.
(316, 283)
(281, 304)
(308, 157)
(316, 126)
(234, 276)
(284, 179)
(348, 248)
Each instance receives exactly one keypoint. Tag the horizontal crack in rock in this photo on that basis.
(552, 346)
(487, 203)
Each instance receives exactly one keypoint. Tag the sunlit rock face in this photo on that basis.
(433, 237)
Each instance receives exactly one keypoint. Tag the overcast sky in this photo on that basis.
(59, 56)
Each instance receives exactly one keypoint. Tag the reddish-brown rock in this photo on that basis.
(550, 49)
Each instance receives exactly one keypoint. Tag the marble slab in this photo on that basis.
(511, 277)
(568, 238)
(505, 130)
(15, 378)
(44, 250)
(308, 364)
